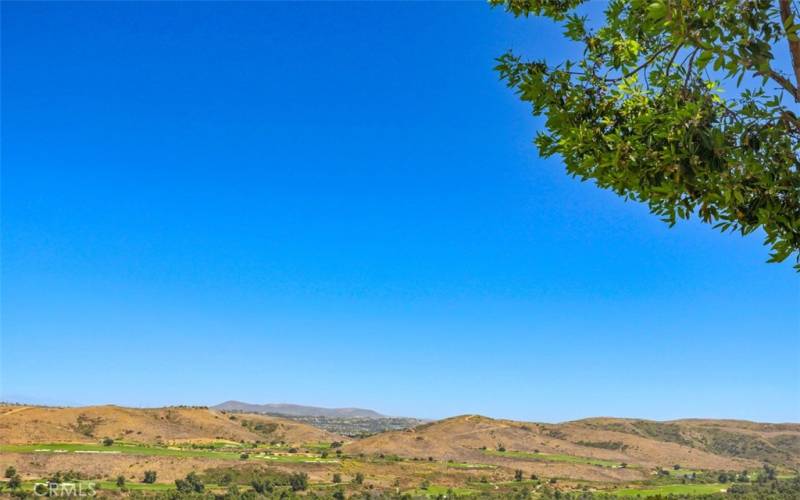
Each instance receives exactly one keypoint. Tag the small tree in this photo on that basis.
(359, 479)
(14, 482)
(517, 475)
(121, 481)
(183, 486)
(298, 481)
(262, 486)
(10, 472)
(191, 484)
(337, 478)
(244, 456)
(108, 441)
(149, 477)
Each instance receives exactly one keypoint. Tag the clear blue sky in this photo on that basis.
(339, 204)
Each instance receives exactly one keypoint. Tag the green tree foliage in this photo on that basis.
(298, 481)
(14, 482)
(121, 481)
(191, 484)
(262, 486)
(149, 477)
(10, 472)
(643, 111)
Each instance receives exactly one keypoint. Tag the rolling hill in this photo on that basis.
(35, 424)
(470, 452)
(639, 444)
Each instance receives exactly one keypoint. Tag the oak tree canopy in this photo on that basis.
(679, 104)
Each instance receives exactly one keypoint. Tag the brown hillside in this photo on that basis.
(32, 424)
(643, 445)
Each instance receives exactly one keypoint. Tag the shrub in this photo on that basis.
(191, 484)
(359, 479)
(298, 481)
(149, 477)
(262, 486)
(10, 472)
(121, 481)
(108, 441)
(517, 475)
(14, 482)
(337, 478)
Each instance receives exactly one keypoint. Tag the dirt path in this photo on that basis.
(15, 410)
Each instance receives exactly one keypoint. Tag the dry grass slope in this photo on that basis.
(642, 445)
(33, 424)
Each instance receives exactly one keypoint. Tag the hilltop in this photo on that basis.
(297, 410)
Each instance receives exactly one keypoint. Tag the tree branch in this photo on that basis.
(643, 65)
(794, 45)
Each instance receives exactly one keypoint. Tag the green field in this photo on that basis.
(169, 451)
(549, 457)
(466, 465)
(437, 491)
(676, 489)
(293, 458)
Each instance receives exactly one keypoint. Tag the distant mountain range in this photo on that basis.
(297, 410)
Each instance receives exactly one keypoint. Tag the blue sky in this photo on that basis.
(339, 204)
